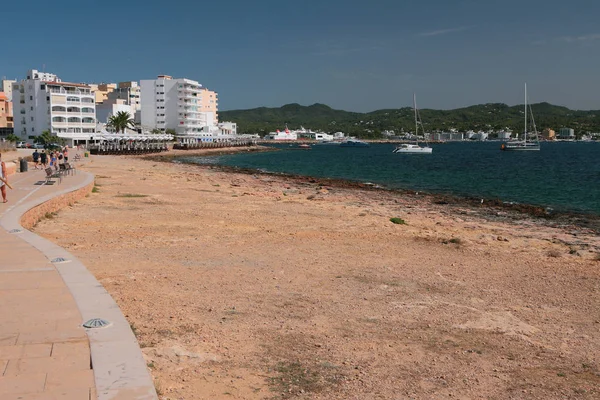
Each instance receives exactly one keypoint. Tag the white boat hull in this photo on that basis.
(414, 150)
(521, 147)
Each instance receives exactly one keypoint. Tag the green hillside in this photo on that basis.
(494, 116)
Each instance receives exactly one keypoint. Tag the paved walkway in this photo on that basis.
(44, 350)
(45, 353)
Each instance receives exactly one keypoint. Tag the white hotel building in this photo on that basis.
(43, 102)
(177, 104)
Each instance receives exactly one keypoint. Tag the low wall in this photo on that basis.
(11, 167)
(33, 216)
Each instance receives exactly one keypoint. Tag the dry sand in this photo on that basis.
(251, 287)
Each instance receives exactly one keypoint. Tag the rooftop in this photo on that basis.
(81, 85)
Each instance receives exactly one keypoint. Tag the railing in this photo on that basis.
(70, 92)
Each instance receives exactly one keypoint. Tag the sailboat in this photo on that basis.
(415, 148)
(524, 144)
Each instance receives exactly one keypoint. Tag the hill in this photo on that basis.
(494, 116)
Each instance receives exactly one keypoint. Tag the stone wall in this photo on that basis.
(31, 217)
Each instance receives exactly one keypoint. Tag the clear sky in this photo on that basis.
(355, 55)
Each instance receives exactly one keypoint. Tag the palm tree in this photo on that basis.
(121, 121)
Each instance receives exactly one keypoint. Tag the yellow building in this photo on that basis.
(549, 134)
(6, 112)
(209, 102)
(102, 90)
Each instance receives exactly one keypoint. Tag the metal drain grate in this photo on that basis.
(59, 260)
(15, 231)
(96, 323)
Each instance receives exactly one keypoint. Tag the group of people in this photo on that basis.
(54, 158)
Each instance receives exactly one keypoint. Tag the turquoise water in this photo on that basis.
(562, 176)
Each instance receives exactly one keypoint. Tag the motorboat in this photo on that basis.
(412, 148)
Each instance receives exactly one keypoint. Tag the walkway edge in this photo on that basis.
(120, 370)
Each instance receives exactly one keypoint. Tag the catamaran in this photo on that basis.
(524, 144)
(415, 148)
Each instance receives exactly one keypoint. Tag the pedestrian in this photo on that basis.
(4, 180)
(44, 159)
(53, 160)
(66, 153)
(36, 158)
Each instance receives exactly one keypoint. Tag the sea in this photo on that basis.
(562, 176)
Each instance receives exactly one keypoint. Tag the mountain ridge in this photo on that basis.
(488, 116)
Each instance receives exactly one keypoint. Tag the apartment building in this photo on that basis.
(102, 90)
(44, 102)
(6, 87)
(129, 92)
(6, 112)
(566, 134)
(168, 103)
(549, 134)
(209, 103)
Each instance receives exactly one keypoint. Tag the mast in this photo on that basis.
(525, 112)
(416, 123)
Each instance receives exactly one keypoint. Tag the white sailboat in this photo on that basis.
(415, 148)
(524, 144)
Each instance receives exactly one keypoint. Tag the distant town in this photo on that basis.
(42, 105)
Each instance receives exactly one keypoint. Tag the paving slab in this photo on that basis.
(45, 352)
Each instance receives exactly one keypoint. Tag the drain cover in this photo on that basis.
(15, 231)
(96, 323)
(59, 260)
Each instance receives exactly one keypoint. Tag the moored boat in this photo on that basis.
(352, 142)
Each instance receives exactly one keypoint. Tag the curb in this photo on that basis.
(120, 370)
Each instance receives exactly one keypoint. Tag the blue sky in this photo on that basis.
(349, 54)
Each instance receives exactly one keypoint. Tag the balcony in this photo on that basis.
(73, 100)
(78, 92)
(187, 95)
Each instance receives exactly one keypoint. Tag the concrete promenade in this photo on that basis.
(46, 295)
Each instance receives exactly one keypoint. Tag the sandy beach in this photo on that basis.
(250, 286)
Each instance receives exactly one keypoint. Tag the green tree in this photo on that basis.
(156, 131)
(170, 131)
(12, 138)
(45, 138)
(121, 121)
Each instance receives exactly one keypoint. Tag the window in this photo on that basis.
(43, 87)
(31, 119)
(32, 129)
(30, 97)
(47, 98)
(31, 108)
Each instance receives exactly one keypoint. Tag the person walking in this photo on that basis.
(4, 180)
(53, 160)
(36, 158)
(44, 159)
(66, 153)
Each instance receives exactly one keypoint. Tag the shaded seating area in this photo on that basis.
(191, 145)
(123, 144)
